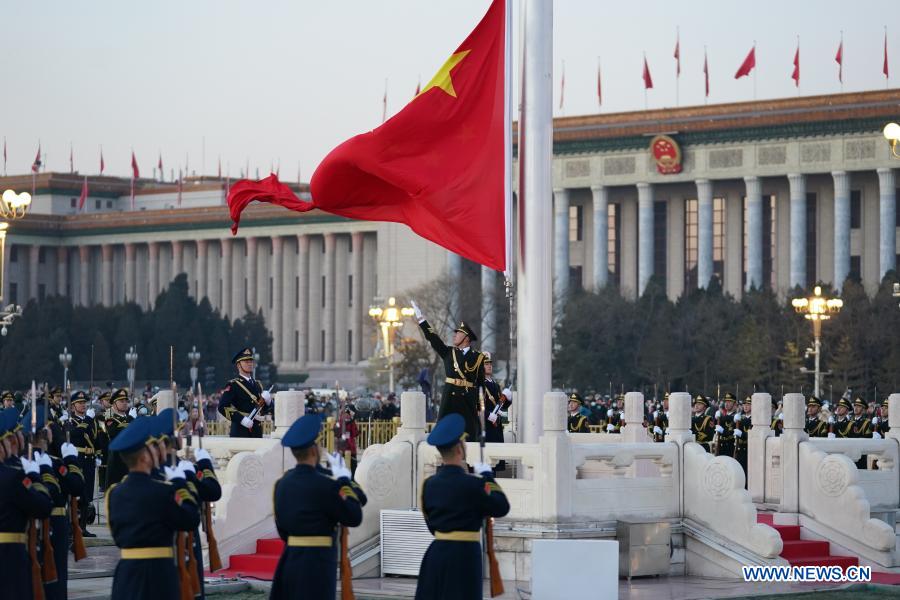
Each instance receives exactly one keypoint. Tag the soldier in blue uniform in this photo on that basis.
(309, 506)
(85, 435)
(464, 370)
(23, 497)
(144, 514)
(243, 394)
(455, 505)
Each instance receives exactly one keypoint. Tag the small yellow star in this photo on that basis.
(442, 78)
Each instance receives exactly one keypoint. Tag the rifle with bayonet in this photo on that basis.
(493, 565)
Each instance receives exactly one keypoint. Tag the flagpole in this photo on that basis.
(798, 65)
(535, 284)
(841, 71)
(678, 63)
(645, 80)
(887, 76)
(755, 69)
(705, 77)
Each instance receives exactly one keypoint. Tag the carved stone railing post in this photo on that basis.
(794, 422)
(761, 418)
(634, 418)
(894, 416)
(289, 406)
(679, 430)
(412, 416)
(556, 471)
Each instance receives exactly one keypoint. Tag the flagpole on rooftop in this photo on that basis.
(755, 69)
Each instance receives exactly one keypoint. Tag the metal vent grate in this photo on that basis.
(404, 540)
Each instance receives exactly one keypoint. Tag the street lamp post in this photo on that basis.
(255, 360)
(389, 318)
(817, 308)
(65, 359)
(13, 207)
(194, 357)
(892, 135)
(131, 358)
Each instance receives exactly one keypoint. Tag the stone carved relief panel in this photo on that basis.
(619, 165)
(771, 155)
(810, 153)
(578, 168)
(859, 150)
(725, 159)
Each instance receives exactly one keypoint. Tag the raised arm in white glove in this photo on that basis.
(68, 450)
(267, 396)
(202, 454)
(90, 412)
(247, 422)
(133, 413)
(186, 466)
(419, 316)
(720, 429)
(483, 469)
(337, 466)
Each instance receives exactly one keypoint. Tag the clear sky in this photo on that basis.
(278, 81)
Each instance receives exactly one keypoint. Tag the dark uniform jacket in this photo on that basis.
(703, 426)
(64, 480)
(816, 427)
(115, 467)
(464, 375)
(85, 435)
(842, 427)
(862, 427)
(22, 497)
(239, 398)
(205, 486)
(578, 423)
(145, 513)
(309, 504)
(726, 438)
(494, 402)
(454, 501)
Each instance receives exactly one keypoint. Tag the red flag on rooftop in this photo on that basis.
(437, 165)
(102, 164)
(796, 74)
(839, 59)
(135, 172)
(884, 69)
(677, 56)
(84, 194)
(747, 65)
(648, 81)
(36, 165)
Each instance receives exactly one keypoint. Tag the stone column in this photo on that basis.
(600, 196)
(887, 194)
(202, 278)
(329, 297)
(106, 290)
(679, 430)
(798, 229)
(794, 423)
(289, 406)
(488, 330)
(754, 233)
(84, 280)
(370, 282)
(704, 232)
(761, 419)
(341, 297)
(303, 298)
(645, 235)
(34, 254)
(561, 244)
(130, 273)
(277, 299)
(177, 258)
(634, 430)
(412, 414)
(153, 267)
(555, 461)
(356, 241)
(62, 270)
(894, 416)
(226, 269)
(841, 227)
(252, 301)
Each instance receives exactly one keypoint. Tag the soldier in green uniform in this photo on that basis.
(883, 426)
(84, 434)
(702, 425)
(242, 396)
(862, 427)
(577, 422)
(614, 414)
(840, 425)
(455, 505)
(464, 370)
(119, 418)
(815, 426)
(777, 417)
(742, 425)
(725, 425)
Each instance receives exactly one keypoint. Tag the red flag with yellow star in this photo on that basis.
(437, 165)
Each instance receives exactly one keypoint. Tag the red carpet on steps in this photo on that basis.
(813, 553)
(260, 565)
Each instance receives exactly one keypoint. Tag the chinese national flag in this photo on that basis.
(437, 165)
(796, 74)
(135, 172)
(648, 81)
(747, 65)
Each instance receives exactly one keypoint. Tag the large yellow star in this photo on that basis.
(442, 78)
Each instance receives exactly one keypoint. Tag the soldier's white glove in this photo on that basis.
(718, 413)
(247, 422)
(657, 430)
(655, 414)
(507, 393)
(133, 413)
(610, 413)
(874, 420)
(43, 460)
(345, 436)
(610, 428)
(338, 467)
(97, 462)
(737, 417)
(738, 433)
(64, 417)
(492, 418)
(174, 473)
(720, 429)
(186, 466)
(781, 416)
(90, 412)
(830, 419)
(667, 414)
(68, 450)
(202, 454)
(483, 469)
(876, 435)
(30, 467)
(831, 436)
(417, 310)
(267, 396)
